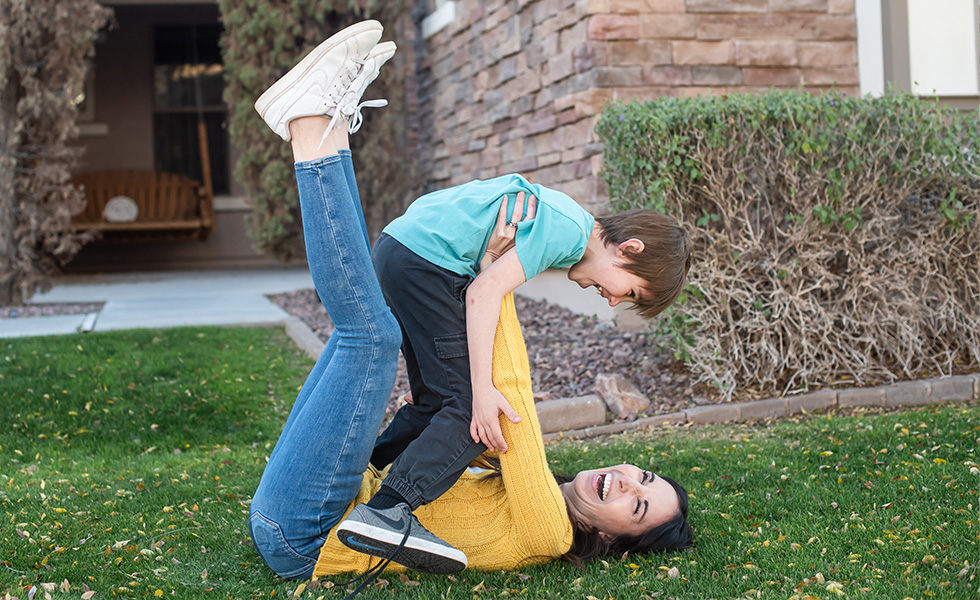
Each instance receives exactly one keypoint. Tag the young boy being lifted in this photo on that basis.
(445, 290)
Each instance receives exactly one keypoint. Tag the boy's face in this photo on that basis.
(606, 273)
(614, 283)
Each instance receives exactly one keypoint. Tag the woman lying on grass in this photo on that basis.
(506, 515)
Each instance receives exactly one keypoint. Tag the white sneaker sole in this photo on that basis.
(283, 85)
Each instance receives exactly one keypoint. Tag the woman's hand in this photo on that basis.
(505, 231)
(485, 424)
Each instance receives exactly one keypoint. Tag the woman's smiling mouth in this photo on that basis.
(602, 484)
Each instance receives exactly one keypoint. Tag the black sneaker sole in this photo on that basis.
(416, 559)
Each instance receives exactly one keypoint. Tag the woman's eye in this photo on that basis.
(637, 509)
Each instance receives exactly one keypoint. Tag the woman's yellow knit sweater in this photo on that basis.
(500, 521)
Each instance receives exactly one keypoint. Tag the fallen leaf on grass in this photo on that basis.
(407, 581)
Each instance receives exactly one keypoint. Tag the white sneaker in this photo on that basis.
(345, 101)
(303, 91)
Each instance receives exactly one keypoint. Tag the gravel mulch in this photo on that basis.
(566, 352)
(48, 310)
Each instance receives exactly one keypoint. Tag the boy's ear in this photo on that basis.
(630, 246)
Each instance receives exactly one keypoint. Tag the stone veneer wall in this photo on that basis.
(517, 85)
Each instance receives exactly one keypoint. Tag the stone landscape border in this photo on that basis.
(585, 416)
(560, 413)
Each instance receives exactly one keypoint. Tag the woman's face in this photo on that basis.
(620, 500)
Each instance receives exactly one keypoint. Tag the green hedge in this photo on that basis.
(263, 39)
(836, 237)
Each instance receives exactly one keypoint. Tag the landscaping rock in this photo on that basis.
(623, 398)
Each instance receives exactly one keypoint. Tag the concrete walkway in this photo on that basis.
(166, 299)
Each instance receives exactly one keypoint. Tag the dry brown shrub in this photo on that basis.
(45, 46)
(886, 287)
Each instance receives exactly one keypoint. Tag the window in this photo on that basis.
(943, 48)
(188, 81)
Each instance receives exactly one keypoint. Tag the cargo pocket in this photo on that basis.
(454, 354)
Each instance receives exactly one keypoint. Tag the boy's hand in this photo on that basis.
(505, 231)
(485, 425)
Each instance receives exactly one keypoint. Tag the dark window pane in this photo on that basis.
(177, 86)
(175, 44)
(188, 80)
(177, 147)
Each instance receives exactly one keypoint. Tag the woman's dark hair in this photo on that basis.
(675, 534)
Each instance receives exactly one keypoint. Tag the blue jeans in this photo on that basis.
(316, 468)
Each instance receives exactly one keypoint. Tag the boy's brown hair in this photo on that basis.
(664, 261)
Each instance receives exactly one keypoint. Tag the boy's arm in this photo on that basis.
(483, 298)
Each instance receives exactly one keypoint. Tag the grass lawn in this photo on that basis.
(126, 458)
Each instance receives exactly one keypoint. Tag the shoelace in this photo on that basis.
(341, 86)
(353, 113)
(348, 108)
(376, 570)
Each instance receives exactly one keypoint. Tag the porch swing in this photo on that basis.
(143, 205)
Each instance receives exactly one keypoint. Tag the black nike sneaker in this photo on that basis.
(396, 534)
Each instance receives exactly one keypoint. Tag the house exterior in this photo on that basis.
(513, 85)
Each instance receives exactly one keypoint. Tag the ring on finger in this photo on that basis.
(511, 224)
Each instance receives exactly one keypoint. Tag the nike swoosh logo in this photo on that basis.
(353, 542)
(394, 524)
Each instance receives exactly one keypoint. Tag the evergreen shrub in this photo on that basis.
(262, 40)
(836, 238)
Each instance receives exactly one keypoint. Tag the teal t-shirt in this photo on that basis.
(450, 228)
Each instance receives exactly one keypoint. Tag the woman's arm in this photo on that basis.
(540, 519)
(504, 234)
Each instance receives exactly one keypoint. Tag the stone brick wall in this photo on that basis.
(517, 85)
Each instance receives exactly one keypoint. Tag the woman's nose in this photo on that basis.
(628, 484)
(614, 301)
